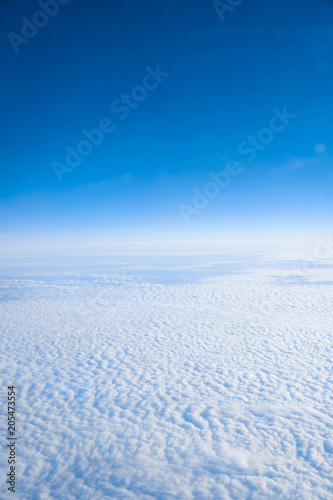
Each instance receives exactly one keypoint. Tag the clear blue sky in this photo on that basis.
(224, 79)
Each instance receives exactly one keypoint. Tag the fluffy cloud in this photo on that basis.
(169, 388)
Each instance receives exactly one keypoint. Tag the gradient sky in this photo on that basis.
(224, 80)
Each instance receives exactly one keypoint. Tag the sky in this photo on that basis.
(177, 91)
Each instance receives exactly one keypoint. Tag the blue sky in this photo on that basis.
(224, 79)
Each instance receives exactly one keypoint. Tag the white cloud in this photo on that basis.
(169, 391)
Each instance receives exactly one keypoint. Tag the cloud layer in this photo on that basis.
(130, 386)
